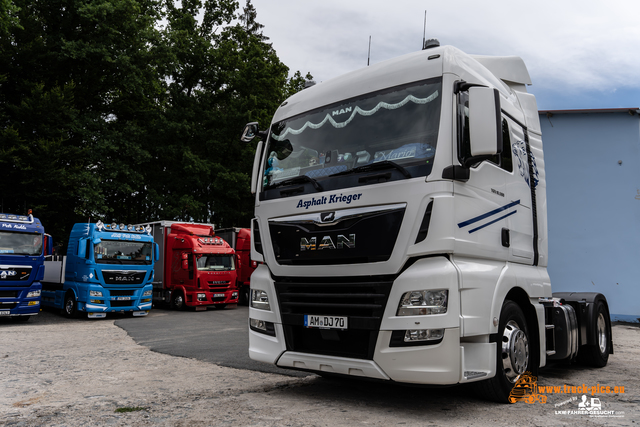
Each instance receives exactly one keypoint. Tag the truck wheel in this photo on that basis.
(513, 357)
(177, 302)
(70, 307)
(597, 355)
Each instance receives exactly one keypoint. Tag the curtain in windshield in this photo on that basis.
(398, 124)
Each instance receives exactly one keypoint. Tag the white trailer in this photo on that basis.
(400, 222)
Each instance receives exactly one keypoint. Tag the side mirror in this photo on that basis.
(156, 252)
(249, 132)
(82, 248)
(485, 124)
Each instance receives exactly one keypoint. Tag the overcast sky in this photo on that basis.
(580, 54)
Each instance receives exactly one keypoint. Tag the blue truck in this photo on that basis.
(23, 245)
(108, 269)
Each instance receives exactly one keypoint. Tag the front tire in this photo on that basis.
(598, 355)
(70, 308)
(177, 301)
(513, 354)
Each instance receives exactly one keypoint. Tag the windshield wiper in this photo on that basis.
(297, 180)
(385, 164)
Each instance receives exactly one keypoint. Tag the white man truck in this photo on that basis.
(401, 226)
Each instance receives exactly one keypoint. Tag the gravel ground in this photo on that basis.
(59, 372)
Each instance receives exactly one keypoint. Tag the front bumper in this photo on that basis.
(439, 363)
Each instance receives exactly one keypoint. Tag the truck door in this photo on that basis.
(484, 204)
(182, 267)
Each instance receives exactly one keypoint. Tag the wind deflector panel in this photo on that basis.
(349, 236)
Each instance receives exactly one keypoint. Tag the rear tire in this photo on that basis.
(513, 354)
(598, 355)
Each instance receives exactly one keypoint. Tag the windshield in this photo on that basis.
(123, 252)
(209, 262)
(324, 148)
(20, 243)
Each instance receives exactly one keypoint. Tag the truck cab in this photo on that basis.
(197, 268)
(401, 229)
(108, 269)
(23, 246)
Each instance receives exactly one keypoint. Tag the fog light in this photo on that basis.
(423, 302)
(262, 326)
(96, 301)
(146, 300)
(260, 299)
(413, 335)
(33, 303)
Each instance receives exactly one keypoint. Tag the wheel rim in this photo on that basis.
(515, 351)
(178, 301)
(602, 333)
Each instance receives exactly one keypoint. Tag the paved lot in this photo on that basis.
(215, 336)
(60, 372)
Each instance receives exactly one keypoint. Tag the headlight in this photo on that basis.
(95, 293)
(259, 299)
(416, 303)
(33, 294)
(147, 293)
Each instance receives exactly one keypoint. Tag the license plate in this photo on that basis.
(123, 298)
(218, 295)
(325, 322)
(5, 312)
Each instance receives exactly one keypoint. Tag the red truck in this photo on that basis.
(240, 240)
(196, 269)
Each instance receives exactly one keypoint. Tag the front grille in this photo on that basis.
(218, 285)
(8, 305)
(361, 299)
(8, 294)
(121, 292)
(122, 303)
(124, 277)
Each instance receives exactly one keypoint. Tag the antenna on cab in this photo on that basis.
(424, 31)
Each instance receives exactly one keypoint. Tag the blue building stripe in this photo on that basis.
(492, 222)
(488, 214)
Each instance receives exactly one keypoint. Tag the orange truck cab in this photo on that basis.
(197, 268)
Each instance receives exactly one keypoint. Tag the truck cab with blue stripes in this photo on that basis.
(401, 229)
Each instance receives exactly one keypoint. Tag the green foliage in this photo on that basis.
(131, 109)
